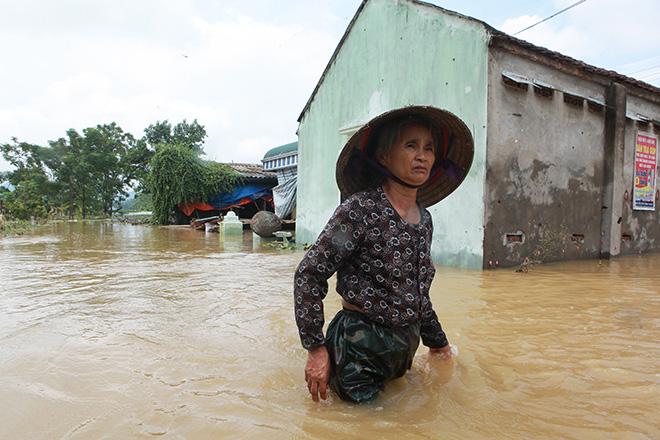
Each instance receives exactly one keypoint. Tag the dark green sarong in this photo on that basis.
(365, 355)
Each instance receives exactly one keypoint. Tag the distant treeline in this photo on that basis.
(90, 174)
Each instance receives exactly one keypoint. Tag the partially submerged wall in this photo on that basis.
(640, 230)
(560, 162)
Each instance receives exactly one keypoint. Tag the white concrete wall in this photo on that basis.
(399, 53)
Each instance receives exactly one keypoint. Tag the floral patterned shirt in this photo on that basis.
(383, 266)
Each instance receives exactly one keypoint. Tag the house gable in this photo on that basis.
(398, 53)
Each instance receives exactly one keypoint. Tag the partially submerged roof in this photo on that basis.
(507, 42)
(282, 150)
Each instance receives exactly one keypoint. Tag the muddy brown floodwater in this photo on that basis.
(112, 331)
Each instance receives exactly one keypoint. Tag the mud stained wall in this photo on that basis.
(640, 230)
(544, 163)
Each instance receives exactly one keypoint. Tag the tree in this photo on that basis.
(25, 201)
(158, 136)
(95, 166)
(178, 175)
(107, 147)
(190, 136)
(137, 163)
(91, 171)
(33, 191)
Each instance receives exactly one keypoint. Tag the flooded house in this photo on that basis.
(253, 194)
(562, 148)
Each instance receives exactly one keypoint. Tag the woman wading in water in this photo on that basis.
(379, 242)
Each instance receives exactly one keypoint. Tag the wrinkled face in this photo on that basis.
(412, 155)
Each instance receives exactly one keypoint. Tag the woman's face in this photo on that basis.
(412, 155)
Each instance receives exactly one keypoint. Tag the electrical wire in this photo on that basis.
(649, 75)
(652, 78)
(643, 70)
(553, 15)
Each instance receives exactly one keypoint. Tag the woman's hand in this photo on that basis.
(317, 373)
(442, 353)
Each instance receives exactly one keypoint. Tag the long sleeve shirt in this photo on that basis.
(383, 266)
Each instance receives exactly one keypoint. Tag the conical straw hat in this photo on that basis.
(454, 154)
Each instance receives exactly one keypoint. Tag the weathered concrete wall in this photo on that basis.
(640, 229)
(544, 164)
(558, 168)
(399, 53)
(613, 155)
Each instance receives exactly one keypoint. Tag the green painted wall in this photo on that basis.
(399, 53)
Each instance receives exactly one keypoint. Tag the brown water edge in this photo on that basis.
(118, 331)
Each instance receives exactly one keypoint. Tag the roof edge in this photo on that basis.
(496, 38)
(350, 27)
(290, 148)
(332, 59)
(500, 39)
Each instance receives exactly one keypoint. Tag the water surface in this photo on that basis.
(119, 331)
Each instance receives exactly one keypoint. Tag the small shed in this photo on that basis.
(253, 194)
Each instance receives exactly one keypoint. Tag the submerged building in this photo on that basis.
(562, 148)
(254, 193)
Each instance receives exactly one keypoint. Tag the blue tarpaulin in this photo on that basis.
(252, 190)
(241, 195)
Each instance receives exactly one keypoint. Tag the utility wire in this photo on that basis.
(652, 78)
(648, 75)
(643, 70)
(553, 15)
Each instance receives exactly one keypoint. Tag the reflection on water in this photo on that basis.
(119, 331)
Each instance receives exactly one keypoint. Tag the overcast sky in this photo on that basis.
(243, 69)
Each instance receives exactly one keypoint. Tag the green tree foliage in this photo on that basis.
(84, 173)
(25, 201)
(34, 192)
(190, 136)
(95, 167)
(107, 147)
(141, 202)
(178, 175)
(90, 172)
(138, 162)
(21, 155)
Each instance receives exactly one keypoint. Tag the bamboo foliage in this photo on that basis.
(178, 175)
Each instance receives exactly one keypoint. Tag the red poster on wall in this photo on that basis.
(646, 149)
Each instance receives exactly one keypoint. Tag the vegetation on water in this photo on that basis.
(92, 173)
(287, 244)
(15, 227)
(548, 243)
